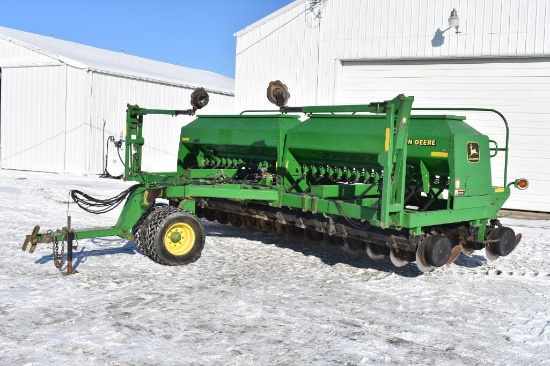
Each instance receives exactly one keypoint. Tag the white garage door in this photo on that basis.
(519, 88)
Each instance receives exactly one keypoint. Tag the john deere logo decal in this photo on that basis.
(473, 152)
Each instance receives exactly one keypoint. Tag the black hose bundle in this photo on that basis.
(98, 206)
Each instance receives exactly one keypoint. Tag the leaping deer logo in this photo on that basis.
(473, 151)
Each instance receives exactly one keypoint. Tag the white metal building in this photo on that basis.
(59, 101)
(358, 51)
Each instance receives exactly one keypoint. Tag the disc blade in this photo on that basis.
(372, 254)
(518, 239)
(398, 262)
(421, 260)
(455, 253)
(490, 254)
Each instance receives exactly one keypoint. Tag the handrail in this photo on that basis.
(260, 111)
(479, 110)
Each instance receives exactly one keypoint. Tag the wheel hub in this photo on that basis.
(175, 237)
(179, 239)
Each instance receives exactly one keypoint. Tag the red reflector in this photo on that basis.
(522, 183)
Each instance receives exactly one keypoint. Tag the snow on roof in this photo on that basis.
(118, 63)
(262, 21)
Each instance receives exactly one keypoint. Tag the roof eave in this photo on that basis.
(164, 82)
(54, 56)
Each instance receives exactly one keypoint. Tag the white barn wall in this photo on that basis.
(111, 96)
(52, 118)
(283, 47)
(77, 121)
(520, 90)
(54, 103)
(319, 63)
(33, 118)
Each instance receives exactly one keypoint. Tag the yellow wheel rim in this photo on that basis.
(179, 238)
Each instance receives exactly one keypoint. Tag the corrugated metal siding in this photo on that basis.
(286, 48)
(509, 41)
(283, 48)
(33, 118)
(111, 94)
(78, 121)
(519, 89)
(52, 117)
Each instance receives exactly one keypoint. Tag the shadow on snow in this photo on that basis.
(327, 254)
(331, 255)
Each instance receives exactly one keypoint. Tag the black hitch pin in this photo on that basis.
(70, 238)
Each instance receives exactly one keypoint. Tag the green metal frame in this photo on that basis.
(472, 109)
(382, 206)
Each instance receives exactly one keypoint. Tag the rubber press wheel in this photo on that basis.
(176, 237)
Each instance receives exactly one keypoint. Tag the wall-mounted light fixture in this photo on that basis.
(453, 21)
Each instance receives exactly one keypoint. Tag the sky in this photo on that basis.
(197, 34)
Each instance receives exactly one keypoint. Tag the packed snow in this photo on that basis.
(254, 299)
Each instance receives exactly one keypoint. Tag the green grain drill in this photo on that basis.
(374, 178)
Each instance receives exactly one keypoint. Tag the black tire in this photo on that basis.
(175, 237)
(437, 250)
(140, 228)
(142, 218)
(503, 241)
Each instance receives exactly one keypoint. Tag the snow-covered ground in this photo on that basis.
(256, 300)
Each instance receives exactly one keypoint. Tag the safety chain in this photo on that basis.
(58, 258)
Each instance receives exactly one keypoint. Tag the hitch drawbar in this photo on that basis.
(32, 239)
(50, 237)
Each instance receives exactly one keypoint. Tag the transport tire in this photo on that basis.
(176, 237)
(140, 228)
